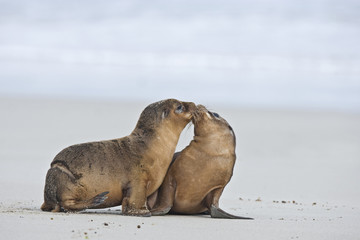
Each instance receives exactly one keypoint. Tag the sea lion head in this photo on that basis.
(211, 125)
(169, 113)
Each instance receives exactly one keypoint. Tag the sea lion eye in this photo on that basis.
(216, 115)
(179, 109)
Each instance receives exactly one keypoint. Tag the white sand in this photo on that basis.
(306, 157)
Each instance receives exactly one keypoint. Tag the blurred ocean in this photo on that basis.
(252, 53)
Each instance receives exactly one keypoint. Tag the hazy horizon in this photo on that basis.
(240, 53)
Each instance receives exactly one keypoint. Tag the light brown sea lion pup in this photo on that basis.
(200, 172)
(122, 171)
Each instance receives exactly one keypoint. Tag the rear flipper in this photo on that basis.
(73, 205)
(63, 193)
(99, 199)
(216, 212)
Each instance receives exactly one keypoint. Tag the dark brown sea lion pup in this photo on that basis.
(199, 173)
(122, 171)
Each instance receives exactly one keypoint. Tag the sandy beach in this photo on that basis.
(297, 173)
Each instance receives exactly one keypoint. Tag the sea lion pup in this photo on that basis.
(122, 171)
(199, 173)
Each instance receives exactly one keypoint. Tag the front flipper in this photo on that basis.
(134, 200)
(216, 212)
(129, 209)
(165, 197)
(160, 211)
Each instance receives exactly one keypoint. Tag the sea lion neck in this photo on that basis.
(143, 132)
(168, 134)
(214, 144)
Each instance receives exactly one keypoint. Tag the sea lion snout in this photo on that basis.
(189, 107)
(199, 113)
(201, 108)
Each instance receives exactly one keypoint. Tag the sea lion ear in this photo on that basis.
(165, 113)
